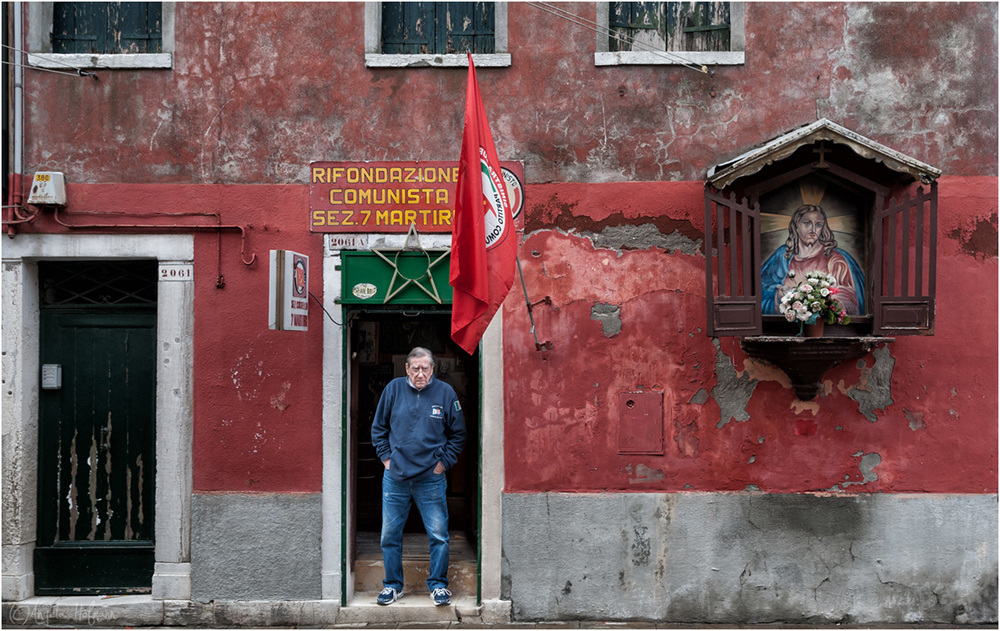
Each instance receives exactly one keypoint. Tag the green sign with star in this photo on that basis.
(401, 277)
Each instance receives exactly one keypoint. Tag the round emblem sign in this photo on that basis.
(364, 291)
(494, 196)
(300, 277)
(515, 192)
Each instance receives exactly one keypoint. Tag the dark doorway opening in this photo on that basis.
(379, 341)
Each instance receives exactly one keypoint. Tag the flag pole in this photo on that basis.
(527, 303)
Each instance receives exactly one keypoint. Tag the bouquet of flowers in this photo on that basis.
(812, 299)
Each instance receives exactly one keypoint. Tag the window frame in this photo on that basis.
(40, 55)
(375, 58)
(736, 56)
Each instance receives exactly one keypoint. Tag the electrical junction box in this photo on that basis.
(48, 189)
(51, 376)
(640, 418)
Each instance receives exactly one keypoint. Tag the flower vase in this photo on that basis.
(814, 327)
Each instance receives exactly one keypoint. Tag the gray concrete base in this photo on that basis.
(255, 547)
(745, 558)
(144, 611)
(136, 611)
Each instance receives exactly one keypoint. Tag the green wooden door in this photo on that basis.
(96, 450)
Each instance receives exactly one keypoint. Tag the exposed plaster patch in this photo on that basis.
(615, 230)
(916, 419)
(733, 390)
(686, 437)
(641, 473)
(609, 316)
(700, 397)
(278, 400)
(866, 465)
(873, 391)
(981, 240)
(641, 237)
(800, 406)
(762, 371)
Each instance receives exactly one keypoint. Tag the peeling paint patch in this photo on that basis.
(733, 390)
(642, 474)
(763, 371)
(867, 466)
(873, 391)
(798, 407)
(278, 400)
(609, 316)
(916, 420)
(980, 241)
(700, 397)
(643, 237)
(686, 437)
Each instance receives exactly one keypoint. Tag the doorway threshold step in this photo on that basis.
(462, 566)
(412, 607)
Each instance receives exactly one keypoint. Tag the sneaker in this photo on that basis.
(388, 596)
(441, 596)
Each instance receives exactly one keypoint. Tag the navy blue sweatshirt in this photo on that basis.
(416, 429)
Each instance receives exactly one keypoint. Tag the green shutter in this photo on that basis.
(681, 26)
(438, 28)
(107, 27)
(407, 27)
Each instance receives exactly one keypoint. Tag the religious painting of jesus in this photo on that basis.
(812, 224)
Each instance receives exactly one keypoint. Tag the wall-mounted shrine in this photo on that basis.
(823, 207)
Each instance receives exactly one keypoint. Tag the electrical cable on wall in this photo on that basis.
(324, 309)
(80, 72)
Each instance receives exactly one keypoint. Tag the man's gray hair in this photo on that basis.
(420, 351)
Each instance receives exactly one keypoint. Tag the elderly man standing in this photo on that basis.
(418, 433)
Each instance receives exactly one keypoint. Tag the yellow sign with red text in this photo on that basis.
(389, 196)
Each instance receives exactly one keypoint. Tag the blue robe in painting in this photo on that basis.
(775, 269)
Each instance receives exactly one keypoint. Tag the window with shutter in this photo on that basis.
(702, 33)
(107, 27)
(437, 27)
(125, 35)
(421, 34)
(682, 26)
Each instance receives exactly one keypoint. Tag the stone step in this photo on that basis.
(413, 607)
(462, 566)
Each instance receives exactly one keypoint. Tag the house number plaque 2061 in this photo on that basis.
(176, 272)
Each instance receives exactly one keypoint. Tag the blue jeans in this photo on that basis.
(429, 496)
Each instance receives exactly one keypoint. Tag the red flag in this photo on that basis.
(483, 241)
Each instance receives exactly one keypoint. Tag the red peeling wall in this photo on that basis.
(259, 90)
(932, 429)
(258, 392)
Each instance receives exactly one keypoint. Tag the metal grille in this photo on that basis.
(96, 283)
